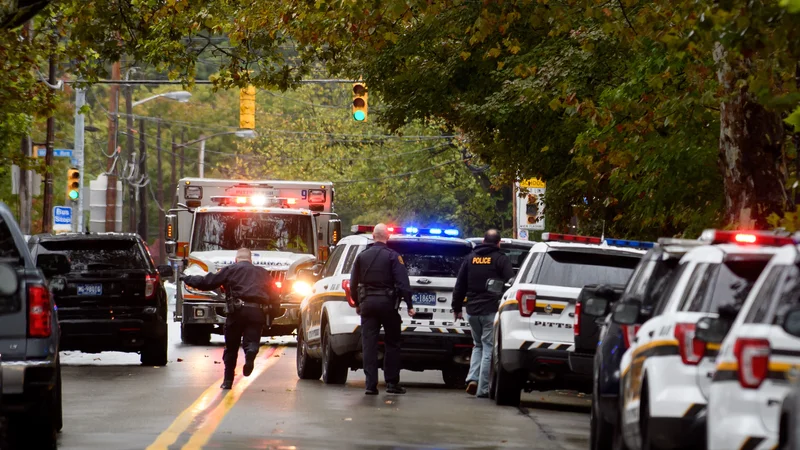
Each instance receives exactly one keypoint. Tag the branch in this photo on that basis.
(625, 15)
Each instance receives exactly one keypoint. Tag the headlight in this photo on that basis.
(301, 288)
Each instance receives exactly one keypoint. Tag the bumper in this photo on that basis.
(582, 363)
(289, 315)
(682, 432)
(125, 331)
(419, 350)
(737, 417)
(548, 368)
(23, 380)
(207, 313)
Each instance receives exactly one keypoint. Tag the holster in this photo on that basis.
(365, 291)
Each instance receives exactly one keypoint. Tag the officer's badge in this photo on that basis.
(400, 258)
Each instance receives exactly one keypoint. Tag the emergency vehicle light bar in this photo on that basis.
(570, 238)
(256, 200)
(414, 231)
(632, 244)
(744, 237)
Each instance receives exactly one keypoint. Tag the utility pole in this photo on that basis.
(201, 159)
(80, 100)
(130, 155)
(160, 196)
(183, 147)
(142, 189)
(111, 189)
(24, 187)
(47, 206)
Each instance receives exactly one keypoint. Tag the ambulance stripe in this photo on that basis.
(693, 410)
(534, 345)
(752, 443)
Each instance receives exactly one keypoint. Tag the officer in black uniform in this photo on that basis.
(250, 294)
(380, 281)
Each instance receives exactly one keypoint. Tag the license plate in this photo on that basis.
(424, 299)
(90, 289)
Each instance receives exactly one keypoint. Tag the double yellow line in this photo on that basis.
(205, 429)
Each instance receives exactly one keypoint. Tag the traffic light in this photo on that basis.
(73, 183)
(360, 105)
(247, 108)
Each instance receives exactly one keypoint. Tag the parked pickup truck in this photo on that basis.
(586, 327)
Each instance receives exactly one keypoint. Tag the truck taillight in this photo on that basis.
(629, 334)
(692, 350)
(346, 287)
(753, 358)
(526, 300)
(39, 312)
(576, 327)
(150, 284)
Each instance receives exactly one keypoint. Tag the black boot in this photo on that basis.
(371, 391)
(249, 362)
(226, 384)
(395, 388)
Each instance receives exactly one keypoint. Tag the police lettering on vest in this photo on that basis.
(482, 260)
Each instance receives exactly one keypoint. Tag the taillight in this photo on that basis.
(692, 350)
(346, 287)
(629, 334)
(753, 358)
(39, 312)
(150, 283)
(526, 300)
(576, 328)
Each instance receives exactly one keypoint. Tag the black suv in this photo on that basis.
(112, 298)
(29, 342)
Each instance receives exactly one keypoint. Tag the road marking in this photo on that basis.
(206, 399)
(210, 423)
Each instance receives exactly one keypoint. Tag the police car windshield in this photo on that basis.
(98, 254)
(256, 231)
(577, 269)
(431, 259)
(516, 253)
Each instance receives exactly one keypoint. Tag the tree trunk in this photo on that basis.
(750, 148)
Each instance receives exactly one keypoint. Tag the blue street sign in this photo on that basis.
(62, 218)
(57, 152)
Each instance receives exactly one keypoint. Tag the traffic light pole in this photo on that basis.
(80, 100)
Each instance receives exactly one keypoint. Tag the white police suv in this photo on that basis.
(329, 336)
(757, 360)
(533, 328)
(666, 372)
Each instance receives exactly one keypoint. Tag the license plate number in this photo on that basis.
(90, 289)
(424, 299)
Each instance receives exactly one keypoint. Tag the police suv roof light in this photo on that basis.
(744, 237)
(358, 229)
(631, 244)
(551, 237)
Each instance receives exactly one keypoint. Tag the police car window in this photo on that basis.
(350, 259)
(516, 253)
(669, 288)
(99, 254)
(638, 282)
(732, 283)
(431, 259)
(659, 280)
(333, 261)
(765, 296)
(788, 297)
(577, 269)
(529, 271)
(692, 298)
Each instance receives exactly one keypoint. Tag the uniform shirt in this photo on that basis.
(386, 270)
(484, 263)
(242, 280)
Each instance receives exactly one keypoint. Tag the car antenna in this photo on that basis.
(603, 233)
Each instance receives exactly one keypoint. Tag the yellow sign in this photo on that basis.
(247, 108)
(532, 183)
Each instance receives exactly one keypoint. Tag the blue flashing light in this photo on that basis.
(632, 244)
(436, 231)
(451, 232)
(412, 230)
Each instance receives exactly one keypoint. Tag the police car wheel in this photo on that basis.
(195, 334)
(600, 431)
(308, 368)
(508, 386)
(154, 352)
(455, 377)
(334, 367)
(644, 419)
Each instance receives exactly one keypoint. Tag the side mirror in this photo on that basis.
(306, 275)
(791, 323)
(510, 282)
(334, 231)
(166, 271)
(712, 330)
(53, 264)
(9, 281)
(596, 307)
(627, 312)
(171, 234)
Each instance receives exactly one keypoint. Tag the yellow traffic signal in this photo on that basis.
(247, 108)
(360, 104)
(73, 183)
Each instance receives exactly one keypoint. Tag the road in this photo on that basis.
(111, 402)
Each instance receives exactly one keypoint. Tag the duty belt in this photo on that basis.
(377, 291)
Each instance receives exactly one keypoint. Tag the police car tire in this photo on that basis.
(334, 367)
(154, 352)
(455, 377)
(600, 431)
(644, 419)
(508, 385)
(195, 334)
(308, 368)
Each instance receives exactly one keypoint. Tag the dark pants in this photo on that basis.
(242, 327)
(377, 312)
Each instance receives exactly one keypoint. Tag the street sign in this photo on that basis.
(57, 152)
(62, 218)
(530, 204)
(523, 234)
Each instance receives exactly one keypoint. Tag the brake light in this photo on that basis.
(576, 328)
(346, 287)
(526, 300)
(692, 350)
(629, 334)
(753, 358)
(150, 283)
(39, 312)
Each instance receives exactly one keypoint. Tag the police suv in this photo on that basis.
(329, 335)
(757, 360)
(533, 328)
(665, 372)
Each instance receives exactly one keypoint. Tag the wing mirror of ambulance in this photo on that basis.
(711, 330)
(791, 323)
(628, 312)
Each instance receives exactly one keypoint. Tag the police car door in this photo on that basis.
(321, 293)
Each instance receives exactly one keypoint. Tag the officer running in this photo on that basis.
(380, 280)
(249, 292)
(481, 280)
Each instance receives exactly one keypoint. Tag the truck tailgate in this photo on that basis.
(588, 331)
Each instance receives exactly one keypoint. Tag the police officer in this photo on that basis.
(481, 280)
(380, 281)
(249, 293)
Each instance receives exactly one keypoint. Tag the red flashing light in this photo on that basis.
(279, 285)
(571, 238)
(390, 229)
(362, 228)
(291, 201)
(241, 200)
(745, 237)
(526, 301)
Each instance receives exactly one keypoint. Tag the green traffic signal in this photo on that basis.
(359, 116)
(73, 195)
